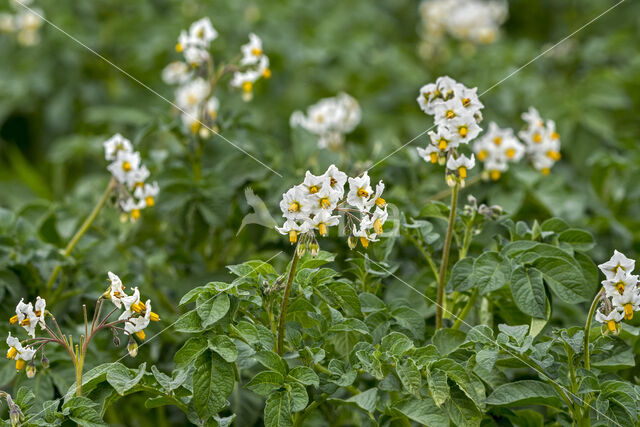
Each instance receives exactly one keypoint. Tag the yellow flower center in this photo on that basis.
(325, 203)
(545, 171)
(620, 287)
(364, 241)
(482, 155)
(555, 135)
(511, 152)
(377, 226)
(20, 364)
(463, 131)
(179, 47)
(139, 307)
(363, 193)
(537, 138)
(126, 166)
(462, 171)
(150, 201)
(466, 102)
(192, 99)
(293, 236)
(450, 114)
(497, 140)
(314, 189)
(14, 319)
(554, 155)
(247, 87)
(12, 353)
(611, 324)
(25, 322)
(266, 73)
(256, 52)
(442, 145)
(154, 317)
(322, 228)
(141, 335)
(495, 174)
(380, 202)
(135, 214)
(433, 157)
(294, 207)
(628, 311)
(194, 126)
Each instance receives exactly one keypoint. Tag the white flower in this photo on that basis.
(324, 200)
(196, 55)
(619, 283)
(460, 129)
(323, 220)
(359, 191)
(193, 93)
(7, 23)
(251, 52)
(292, 228)
(27, 20)
(132, 206)
(116, 290)
(378, 219)
(203, 31)
(147, 192)
(176, 72)
(19, 353)
(27, 317)
(611, 319)
(628, 301)
(294, 204)
(137, 316)
(496, 148)
(211, 107)
(541, 140)
(128, 301)
(430, 154)
(137, 177)
(617, 262)
(336, 179)
(117, 143)
(314, 183)
(461, 164)
(40, 308)
(363, 233)
(125, 164)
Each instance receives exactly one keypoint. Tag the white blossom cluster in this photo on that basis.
(128, 170)
(476, 21)
(457, 111)
(330, 118)
(137, 314)
(622, 296)
(29, 316)
(194, 94)
(496, 149)
(24, 23)
(541, 140)
(317, 202)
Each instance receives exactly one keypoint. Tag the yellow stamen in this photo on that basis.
(126, 166)
(545, 171)
(450, 114)
(510, 153)
(154, 317)
(497, 140)
(364, 241)
(25, 322)
(322, 227)
(628, 311)
(611, 324)
(555, 135)
(141, 335)
(135, 214)
(139, 307)
(363, 193)
(495, 174)
(314, 189)
(537, 138)
(433, 157)
(332, 181)
(213, 114)
(14, 319)
(482, 155)
(325, 203)
(294, 207)
(462, 171)
(463, 131)
(377, 226)
(192, 99)
(194, 126)
(179, 47)
(466, 102)
(20, 364)
(426, 96)
(554, 155)
(150, 201)
(256, 52)
(247, 87)
(266, 73)
(380, 202)
(12, 353)
(443, 144)
(620, 287)
(293, 236)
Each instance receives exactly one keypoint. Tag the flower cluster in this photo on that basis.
(477, 21)
(330, 119)
(457, 112)
(196, 79)
(29, 317)
(136, 314)
(317, 202)
(621, 294)
(496, 148)
(131, 174)
(23, 22)
(541, 140)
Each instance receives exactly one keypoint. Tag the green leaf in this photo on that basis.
(580, 240)
(438, 386)
(213, 381)
(122, 378)
(340, 375)
(554, 224)
(487, 358)
(81, 411)
(516, 332)
(190, 350)
(434, 209)
(298, 396)
(304, 375)
(252, 268)
(565, 279)
(528, 292)
(271, 360)
(212, 309)
(462, 410)
(265, 382)
(366, 400)
(410, 319)
(462, 275)
(447, 340)
(490, 272)
(409, 376)
(225, 347)
(189, 322)
(523, 393)
(424, 412)
(396, 344)
(322, 258)
(277, 410)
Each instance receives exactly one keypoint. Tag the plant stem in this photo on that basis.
(587, 328)
(426, 255)
(444, 193)
(467, 308)
(79, 363)
(83, 229)
(445, 255)
(285, 300)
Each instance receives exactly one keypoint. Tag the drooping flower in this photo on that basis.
(19, 353)
(541, 140)
(496, 149)
(617, 262)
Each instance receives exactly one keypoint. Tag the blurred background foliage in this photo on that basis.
(59, 101)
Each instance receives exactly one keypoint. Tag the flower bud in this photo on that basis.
(301, 249)
(116, 341)
(132, 347)
(352, 241)
(44, 361)
(315, 249)
(15, 414)
(31, 370)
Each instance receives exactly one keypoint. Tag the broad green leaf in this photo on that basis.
(447, 340)
(554, 224)
(409, 376)
(462, 410)
(490, 272)
(81, 411)
(462, 275)
(212, 309)
(309, 261)
(277, 410)
(271, 360)
(523, 393)
(189, 322)
(396, 344)
(516, 332)
(438, 386)
(487, 358)
(298, 396)
(122, 378)
(528, 291)
(410, 319)
(366, 400)
(370, 303)
(265, 382)
(565, 279)
(225, 347)
(213, 381)
(190, 351)
(580, 240)
(304, 375)
(340, 375)
(435, 209)
(423, 411)
(252, 269)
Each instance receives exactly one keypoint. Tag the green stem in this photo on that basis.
(425, 254)
(79, 363)
(444, 193)
(466, 241)
(467, 308)
(587, 329)
(285, 300)
(445, 255)
(81, 231)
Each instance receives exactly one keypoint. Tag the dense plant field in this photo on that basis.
(326, 213)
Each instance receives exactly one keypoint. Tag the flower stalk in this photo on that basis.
(587, 328)
(445, 255)
(285, 301)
